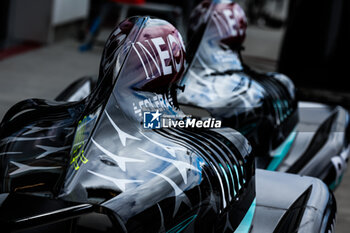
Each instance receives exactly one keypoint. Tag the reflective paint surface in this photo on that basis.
(262, 106)
(187, 180)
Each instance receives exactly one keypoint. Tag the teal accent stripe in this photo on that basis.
(243, 174)
(233, 182)
(181, 226)
(281, 152)
(226, 178)
(280, 110)
(245, 224)
(335, 183)
(236, 170)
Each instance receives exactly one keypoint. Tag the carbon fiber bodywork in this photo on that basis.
(262, 106)
(292, 203)
(94, 156)
(85, 164)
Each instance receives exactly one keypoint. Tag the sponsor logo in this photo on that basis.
(77, 153)
(227, 21)
(155, 54)
(157, 102)
(157, 120)
(151, 120)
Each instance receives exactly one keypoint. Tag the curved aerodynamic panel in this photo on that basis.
(214, 26)
(261, 106)
(175, 175)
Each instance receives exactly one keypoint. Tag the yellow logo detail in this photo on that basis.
(78, 145)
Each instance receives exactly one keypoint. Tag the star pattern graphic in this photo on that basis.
(19, 139)
(180, 165)
(36, 129)
(120, 183)
(162, 227)
(10, 153)
(180, 196)
(23, 168)
(50, 150)
(212, 205)
(228, 223)
(122, 135)
(121, 161)
(170, 149)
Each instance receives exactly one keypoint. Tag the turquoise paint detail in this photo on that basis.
(276, 109)
(245, 224)
(226, 177)
(246, 129)
(233, 182)
(287, 107)
(199, 161)
(335, 183)
(281, 152)
(280, 110)
(243, 174)
(181, 226)
(239, 185)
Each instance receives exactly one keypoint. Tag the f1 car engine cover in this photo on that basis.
(96, 151)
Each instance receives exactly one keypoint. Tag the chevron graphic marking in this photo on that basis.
(121, 161)
(122, 135)
(120, 183)
(22, 168)
(181, 166)
(49, 150)
(180, 196)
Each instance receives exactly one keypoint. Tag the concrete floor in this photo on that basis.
(43, 73)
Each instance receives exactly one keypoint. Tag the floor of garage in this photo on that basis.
(44, 72)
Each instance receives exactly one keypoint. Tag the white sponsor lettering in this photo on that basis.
(231, 21)
(149, 104)
(162, 57)
(191, 123)
(171, 41)
(163, 54)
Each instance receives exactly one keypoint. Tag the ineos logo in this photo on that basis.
(155, 59)
(226, 21)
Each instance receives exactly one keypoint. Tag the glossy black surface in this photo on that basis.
(283, 197)
(114, 176)
(146, 180)
(321, 144)
(262, 106)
